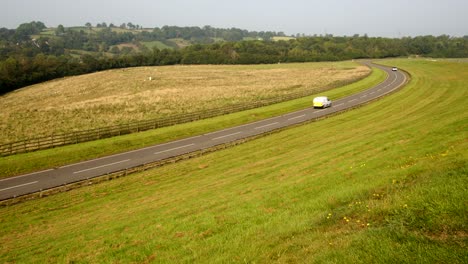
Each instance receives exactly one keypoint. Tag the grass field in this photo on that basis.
(14, 165)
(282, 38)
(157, 44)
(180, 42)
(385, 183)
(125, 95)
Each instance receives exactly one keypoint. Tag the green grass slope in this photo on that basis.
(385, 183)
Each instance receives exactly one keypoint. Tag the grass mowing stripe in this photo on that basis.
(62, 156)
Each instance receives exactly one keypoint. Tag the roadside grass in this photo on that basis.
(121, 96)
(382, 183)
(45, 159)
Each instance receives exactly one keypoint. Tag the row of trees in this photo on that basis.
(128, 25)
(20, 41)
(33, 61)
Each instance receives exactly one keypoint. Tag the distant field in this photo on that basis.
(125, 95)
(157, 44)
(181, 43)
(130, 45)
(282, 38)
(385, 183)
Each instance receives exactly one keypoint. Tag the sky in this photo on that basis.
(376, 18)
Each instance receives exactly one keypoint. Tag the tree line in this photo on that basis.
(25, 60)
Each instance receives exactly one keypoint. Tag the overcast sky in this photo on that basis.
(388, 18)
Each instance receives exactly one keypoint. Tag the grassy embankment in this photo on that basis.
(385, 183)
(14, 165)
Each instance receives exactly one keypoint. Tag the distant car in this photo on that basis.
(394, 69)
(322, 102)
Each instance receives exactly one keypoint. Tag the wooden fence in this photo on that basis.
(45, 142)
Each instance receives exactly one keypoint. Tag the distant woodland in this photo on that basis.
(33, 53)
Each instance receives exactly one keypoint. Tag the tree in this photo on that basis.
(9, 75)
(130, 25)
(24, 31)
(60, 30)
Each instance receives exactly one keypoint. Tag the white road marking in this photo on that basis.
(17, 186)
(244, 125)
(364, 96)
(167, 150)
(352, 100)
(295, 113)
(371, 92)
(128, 152)
(21, 176)
(296, 117)
(379, 90)
(102, 166)
(271, 124)
(338, 105)
(226, 136)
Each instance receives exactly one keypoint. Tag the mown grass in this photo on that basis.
(384, 183)
(13, 165)
(124, 95)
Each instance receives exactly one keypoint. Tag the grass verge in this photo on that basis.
(45, 159)
(383, 183)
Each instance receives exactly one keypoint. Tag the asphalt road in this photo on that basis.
(34, 182)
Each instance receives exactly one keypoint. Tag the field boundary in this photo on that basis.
(140, 168)
(57, 140)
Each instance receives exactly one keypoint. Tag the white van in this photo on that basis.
(322, 102)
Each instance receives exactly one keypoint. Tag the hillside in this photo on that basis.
(33, 53)
(383, 183)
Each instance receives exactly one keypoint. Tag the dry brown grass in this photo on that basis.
(125, 95)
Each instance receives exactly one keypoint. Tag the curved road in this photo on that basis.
(43, 180)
